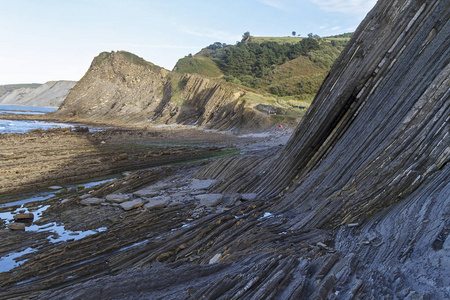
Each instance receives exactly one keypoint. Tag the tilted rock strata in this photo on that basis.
(49, 94)
(118, 90)
(355, 206)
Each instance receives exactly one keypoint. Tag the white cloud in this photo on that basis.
(351, 7)
(336, 28)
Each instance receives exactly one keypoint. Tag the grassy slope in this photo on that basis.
(301, 77)
(198, 65)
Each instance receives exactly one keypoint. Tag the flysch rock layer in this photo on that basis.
(356, 206)
(120, 87)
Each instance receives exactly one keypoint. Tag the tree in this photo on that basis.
(294, 33)
(245, 37)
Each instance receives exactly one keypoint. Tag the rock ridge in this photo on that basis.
(121, 88)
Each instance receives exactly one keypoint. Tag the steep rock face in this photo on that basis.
(372, 153)
(49, 94)
(115, 86)
(120, 87)
(357, 205)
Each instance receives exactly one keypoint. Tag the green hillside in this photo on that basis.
(281, 71)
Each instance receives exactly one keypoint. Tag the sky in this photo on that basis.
(45, 40)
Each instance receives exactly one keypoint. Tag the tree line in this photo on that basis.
(245, 60)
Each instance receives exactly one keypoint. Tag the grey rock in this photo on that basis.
(230, 200)
(117, 198)
(132, 204)
(85, 196)
(157, 202)
(147, 192)
(92, 201)
(201, 184)
(209, 199)
(249, 196)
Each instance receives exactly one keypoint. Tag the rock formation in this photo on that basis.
(49, 94)
(120, 87)
(356, 206)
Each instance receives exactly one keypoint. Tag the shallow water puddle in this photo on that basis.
(57, 234)
(10, 261)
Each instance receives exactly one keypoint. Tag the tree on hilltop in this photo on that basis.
(245, 37)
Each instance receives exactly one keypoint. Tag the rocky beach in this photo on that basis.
(199, 197)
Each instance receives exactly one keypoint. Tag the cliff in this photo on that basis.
(356, 206)
(121, 88)
(49, 94)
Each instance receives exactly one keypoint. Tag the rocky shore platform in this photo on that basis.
(80, 232)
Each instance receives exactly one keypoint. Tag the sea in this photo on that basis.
(18, 126)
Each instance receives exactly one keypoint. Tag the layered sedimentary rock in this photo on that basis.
(120, 88)
(49, 94)
(356, 206)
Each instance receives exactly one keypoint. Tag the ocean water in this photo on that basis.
(18, 126)
(26, 110)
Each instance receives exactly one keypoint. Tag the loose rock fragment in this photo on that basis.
(16, 226)
(132, 204)
(201, 184)
(25, 216)
(209, 199)
(157, 202)
(117, 198)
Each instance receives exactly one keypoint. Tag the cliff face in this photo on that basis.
(120, 87)
(367, 168)
(356, 206)
(49, 94)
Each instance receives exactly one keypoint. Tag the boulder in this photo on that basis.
(157, 202)
(117, 198)
(25, 216)
(16, 226)
(132, 204)
(209, 199)
(147, 192)
(92, 201)
(202, 184)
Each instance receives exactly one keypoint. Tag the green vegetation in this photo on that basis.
(136, 59)
(280, 40)
(198, 65)
(280, 71)
(132, 58)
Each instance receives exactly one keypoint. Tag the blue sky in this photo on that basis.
(43, 40)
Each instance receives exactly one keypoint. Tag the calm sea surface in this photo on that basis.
(16, 126)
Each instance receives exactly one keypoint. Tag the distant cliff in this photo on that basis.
(49, 94)
(120, 88)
